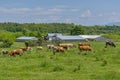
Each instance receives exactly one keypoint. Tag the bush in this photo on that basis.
(6, 43)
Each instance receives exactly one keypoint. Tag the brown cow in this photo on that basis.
(50, 46)
(65, 46)
(58, 49)
(84, 44)
(16, 52)
(84, 47)
(71, 45)
(39, 48)
(4, 52)
(29, 49)
(26, 49)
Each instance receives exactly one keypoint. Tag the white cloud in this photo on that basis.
(14, 10)
(55, 10)
(100, 15)
(75, 10)
(111, 17)
(54, 18)
(87, 13)
(57, 14)
(25, 11)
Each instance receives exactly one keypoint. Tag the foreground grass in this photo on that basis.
(100, 64)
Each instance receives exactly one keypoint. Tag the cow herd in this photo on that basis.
(66, 46)
(61, 48)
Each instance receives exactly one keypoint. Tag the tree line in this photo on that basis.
(13, 30)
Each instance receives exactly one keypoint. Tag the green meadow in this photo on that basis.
(100, 64)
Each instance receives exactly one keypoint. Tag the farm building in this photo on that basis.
(70, 38)
(93, 37)
(51, 35)
(59, 36)
(26, 38)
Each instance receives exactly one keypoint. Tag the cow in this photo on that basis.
(39, 48)
(110, 43)
(84, 44)
(65, 46)
(26, 49)
(58, 49)
(71, 45)
(50, 46)
(29, 49)
(16, 52)
(4, 52)
(84, 47)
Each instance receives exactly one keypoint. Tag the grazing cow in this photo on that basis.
(58, 49)
(4, 52)
(29, 49)
(50, 46)
(84, 47)
(110, 43)
(39, 48)
(85, 44)
(26, 49)
(16, 52)
(71, 45)
(65, 46)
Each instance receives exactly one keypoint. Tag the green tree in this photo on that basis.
(27, 43)
(6, 43)
(40, 41)
(77, 30)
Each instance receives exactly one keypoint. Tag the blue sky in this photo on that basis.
(84, 12)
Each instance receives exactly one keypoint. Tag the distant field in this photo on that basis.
(100, 64)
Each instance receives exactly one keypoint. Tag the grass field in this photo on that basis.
(100, 64)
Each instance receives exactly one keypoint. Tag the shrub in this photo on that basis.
(6, 43)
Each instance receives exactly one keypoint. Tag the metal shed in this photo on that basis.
(51, 35)
(25, 38)
(93, 37)
(71, 38)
